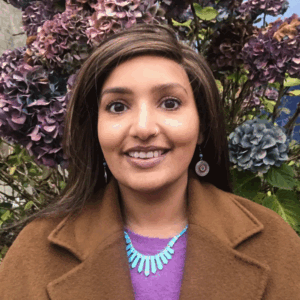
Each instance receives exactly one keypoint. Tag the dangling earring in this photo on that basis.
(202, 167)
(104, 165)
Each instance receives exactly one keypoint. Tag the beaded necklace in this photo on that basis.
(165, 255)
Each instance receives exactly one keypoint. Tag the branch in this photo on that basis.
(7, 196)
(9, 180)
(289, 125)
(281, 93)
(20, 33)
(240, 99)
(247, 85)
(197, 26)
(37, 182)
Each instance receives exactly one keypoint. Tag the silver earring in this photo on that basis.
(202, 167)
(104, 165)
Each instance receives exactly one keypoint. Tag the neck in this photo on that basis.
(159, 214)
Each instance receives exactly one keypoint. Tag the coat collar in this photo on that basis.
(213, 268)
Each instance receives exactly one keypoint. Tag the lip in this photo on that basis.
(146, 163)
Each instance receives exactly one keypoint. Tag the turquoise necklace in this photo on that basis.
(165, 255)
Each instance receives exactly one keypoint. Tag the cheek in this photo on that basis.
(109, 135)
(99, 132)
(185, 131)
(103, 135)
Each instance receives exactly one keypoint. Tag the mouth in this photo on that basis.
(145, 163)
(159, 155)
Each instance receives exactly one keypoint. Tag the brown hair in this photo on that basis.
(80, 139)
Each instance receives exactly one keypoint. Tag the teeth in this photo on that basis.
(146, 154)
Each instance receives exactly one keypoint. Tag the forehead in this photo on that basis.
(147, 69)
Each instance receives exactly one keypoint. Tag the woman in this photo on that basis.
(167, 227)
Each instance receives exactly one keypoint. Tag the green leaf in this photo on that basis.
(231, 76)
(201, 36)
(294, 93)
(207, 13)
(270, 202)
(5, 216)
(13, 160)
(243, 79)
(269, 105)
(62, 185)
(259, 197)
(285, 110)
(250, 188)
(293, 144)
(22, 154)
(46, 174)
(285, 204)
(240, 177)
(185, 24)
(219, 85)
(289, 81)
(4, 249)
(197, 7)
(246, 184)
(12, 170)
(26, 158)
(292, 162)
(281, 177)
(17, 148)
(33, 172)
(28, 205)
(275, 85)
(264, 117)
(298, 186)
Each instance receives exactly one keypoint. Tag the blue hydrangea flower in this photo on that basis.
(257, 144)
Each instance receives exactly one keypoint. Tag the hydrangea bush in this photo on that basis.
(269, 7)
(32, 108)
(254, 99)
(274, 52)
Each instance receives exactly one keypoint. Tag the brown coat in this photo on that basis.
(236, 250)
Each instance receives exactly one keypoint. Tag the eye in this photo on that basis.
(119, 104)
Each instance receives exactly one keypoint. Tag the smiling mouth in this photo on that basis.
(163, 153)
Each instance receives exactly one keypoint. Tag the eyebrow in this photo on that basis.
(156, 88)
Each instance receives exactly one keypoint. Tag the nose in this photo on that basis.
(144, 123)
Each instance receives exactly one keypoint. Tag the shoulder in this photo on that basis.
(278, 246)
(36, 231)
(31, 238)
(266, 215)
(28, 264)
(277, 234)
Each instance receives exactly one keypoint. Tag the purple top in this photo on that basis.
(166, 283)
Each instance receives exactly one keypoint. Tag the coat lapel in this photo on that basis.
(213, 268)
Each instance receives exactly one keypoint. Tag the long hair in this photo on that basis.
(80, 138)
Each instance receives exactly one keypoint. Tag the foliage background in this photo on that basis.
(256, 68)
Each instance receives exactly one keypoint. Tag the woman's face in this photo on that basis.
(138, 115)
